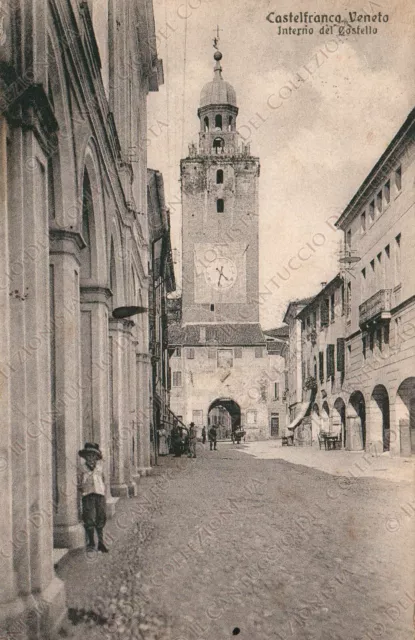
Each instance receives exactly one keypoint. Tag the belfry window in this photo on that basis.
(220, 205)
(218, 121)
(219, 176)
(206, 122)
(230, 123)
(218, 145)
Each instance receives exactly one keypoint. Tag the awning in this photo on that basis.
(304, 408)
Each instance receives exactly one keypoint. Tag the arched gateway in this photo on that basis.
(224, 413)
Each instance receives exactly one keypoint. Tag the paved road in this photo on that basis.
(229, 545)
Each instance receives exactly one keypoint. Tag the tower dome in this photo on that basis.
(218, 91)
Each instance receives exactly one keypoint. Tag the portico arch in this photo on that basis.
(224, 413)
(380, 416)
(405, 415)
(339, 420)
(356, 422)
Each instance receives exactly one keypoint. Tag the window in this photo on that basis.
(349, 238)
(386, 334)
(343, 300)
(332, 307)
(379, 272)
(237, 352)
(251, 418)
(363, 221)
(197, 417)
(218, 121)
(177, 378)
(363, 285)
(225, 358)
(218, 145)
(219, 176)
(321, 366)
(190, 353)
(313, 319)
(308, 321)
(340, 354)
(387, 266)
(371, 340)
(349, 300)
(206, 121)
(364, 345)
(212, 307)
(230, 121)
(220, 205)
(177, 352)
(379, 338)
(398, 178)
(258, 352)
(211, 353)
(398, 260)
(330, 360)
(372, 211)
(325, 312)
(349, 355)
(379, 202)
(276, 391)
(387, 191)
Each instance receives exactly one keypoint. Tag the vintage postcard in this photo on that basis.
(207, 280)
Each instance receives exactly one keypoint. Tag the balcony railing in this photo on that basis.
(377, 307)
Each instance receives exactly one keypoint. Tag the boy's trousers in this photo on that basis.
(94, 513)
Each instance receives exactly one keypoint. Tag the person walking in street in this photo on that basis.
(91, 483)
(176, 441)
(192, 440)
(212, 437)
(162, 438)
(204, 435)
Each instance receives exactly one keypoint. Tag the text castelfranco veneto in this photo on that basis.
(325, 18)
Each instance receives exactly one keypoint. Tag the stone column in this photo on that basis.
(144, 412)
(66, 385)
(32, 598)
(95, 374)
(120, 431)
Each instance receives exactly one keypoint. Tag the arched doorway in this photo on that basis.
(356, 422)
(325, 418)
(379, 415)
(315, 423)
(339, 420)
(405, 415)
(225, 414)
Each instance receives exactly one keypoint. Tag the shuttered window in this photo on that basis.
(237, 352)
(330, 360)
(340, 354)
(177, 378)
(325, 312)
(321, 366)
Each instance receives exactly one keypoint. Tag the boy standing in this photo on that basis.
(91, 483)
(212, 437)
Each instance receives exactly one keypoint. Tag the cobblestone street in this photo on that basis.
(228, 545)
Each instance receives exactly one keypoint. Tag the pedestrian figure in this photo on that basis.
(204, 435)
(212, 437)
(192, 440)
(91, 483)
(176, 441)
(162, 438)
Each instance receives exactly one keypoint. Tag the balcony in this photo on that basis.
(376, 308)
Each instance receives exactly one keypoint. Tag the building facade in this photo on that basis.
(74, 247)
(220, 357)
(379, 239)
(162, 284)
(323, 364)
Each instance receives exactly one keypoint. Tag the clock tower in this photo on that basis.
(222, 373)
(219, 182)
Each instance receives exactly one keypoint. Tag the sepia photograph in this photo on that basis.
(207, 354)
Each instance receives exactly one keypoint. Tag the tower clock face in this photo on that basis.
(221, 273)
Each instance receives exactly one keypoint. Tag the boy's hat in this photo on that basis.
(90, 447)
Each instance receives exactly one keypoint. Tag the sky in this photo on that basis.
(317, 109)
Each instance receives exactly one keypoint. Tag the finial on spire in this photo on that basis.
(217, 55)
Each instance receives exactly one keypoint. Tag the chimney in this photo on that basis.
(323, 284)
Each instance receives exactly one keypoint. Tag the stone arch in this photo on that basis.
(94, 256)
(226, 406)
(325, 417)
(61, 153)
(405, 415)
(339, 419)
(315, 422)
(380, 416)
(356, 422)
